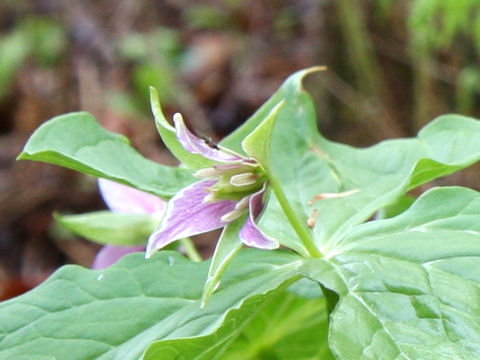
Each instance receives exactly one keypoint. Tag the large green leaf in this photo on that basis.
(78, 142)
(289, 327)
(409, 286)
(282, 327)
(384, 172)
(394, 317)
(307, 165)
(290, 88)
(117, 312)
(289, 158)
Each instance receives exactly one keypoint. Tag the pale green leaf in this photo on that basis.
(106, 227)
(288, 327)
(283, 326)
(409, 286)
(117, 312)
(78, 142)
(308, 165)
(295, 126)
(396, 208)
(291, 87)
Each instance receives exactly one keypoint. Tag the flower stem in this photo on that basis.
(301, 229)
(190, 250)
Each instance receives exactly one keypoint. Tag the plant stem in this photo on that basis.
(301, 229)
(190, 250)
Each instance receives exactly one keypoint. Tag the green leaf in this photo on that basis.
(409, 286)
(288, 327)
(281, 327)
(78, 142)
(306, 288)
(384, 172)
(169, 137)
(210, 346)
(227, 247)
(257, 143)
(106, 227)
(399, 206)
(307, 165)
(117, 312)
(290, 158)
(290, 88)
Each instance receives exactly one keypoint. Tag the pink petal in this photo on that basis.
(196, 145)
(187, 215)
(250, 234)
(109, 254)
(125, 199)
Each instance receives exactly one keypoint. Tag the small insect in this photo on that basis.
(208, 141)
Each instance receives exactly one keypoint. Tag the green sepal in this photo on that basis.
(169, 137)
(257, 143)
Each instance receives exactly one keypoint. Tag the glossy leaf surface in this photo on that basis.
(78, 142)
(308, 165)
(283, 327)
(409, 285)
(117, 312)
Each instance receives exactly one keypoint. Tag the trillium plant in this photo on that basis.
(324, 253)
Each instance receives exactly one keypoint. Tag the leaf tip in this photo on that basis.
(22, 156)
(153, 93)
(158, 115)
(316, 68)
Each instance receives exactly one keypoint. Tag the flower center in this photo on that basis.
(233, 181)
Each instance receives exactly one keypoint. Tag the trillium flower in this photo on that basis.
(124, 199)
(231, 187)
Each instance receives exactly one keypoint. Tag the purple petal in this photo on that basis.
(109, 254)
(187, 215)
(196, 145)
(250, 234)
(124, 199)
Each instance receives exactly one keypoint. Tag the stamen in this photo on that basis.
(331, 196)
(312, 219)
(243, 203)
(210, 172)
(232, 215)
(244, 179)
(210, 198)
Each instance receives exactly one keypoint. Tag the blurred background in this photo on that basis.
(392, 67)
